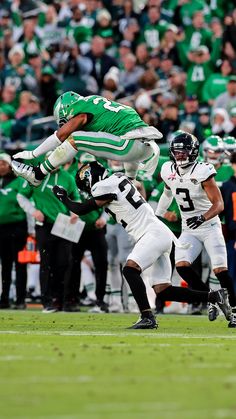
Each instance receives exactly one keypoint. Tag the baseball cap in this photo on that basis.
(232, 79)
(48, 70)
(5, 157)
(126, 44)
(201, 48)
(204, 110)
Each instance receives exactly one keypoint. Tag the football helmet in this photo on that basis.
(184, 149)
(213, 150)
(64, 108)
(89, 174)
(230, 146)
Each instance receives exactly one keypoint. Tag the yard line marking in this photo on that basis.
(151, 334)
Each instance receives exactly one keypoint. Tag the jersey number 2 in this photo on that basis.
(186, 198)
(130, 194)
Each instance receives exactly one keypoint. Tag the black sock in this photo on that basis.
(226, 282)
(138, 289)
(192, 278)
(39, 175)
(184, 295)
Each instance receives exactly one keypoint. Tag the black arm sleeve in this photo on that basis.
(81, 208)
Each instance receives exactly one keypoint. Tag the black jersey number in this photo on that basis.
(130, 194)
(186, 198)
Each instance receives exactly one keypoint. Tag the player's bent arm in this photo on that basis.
(55, 139)
(215, 197)
(76, 207)
(164, 202)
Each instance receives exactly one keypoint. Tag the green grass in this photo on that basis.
(68, 366)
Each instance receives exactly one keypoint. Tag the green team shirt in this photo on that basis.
(10, 211)
(44, 198)
(223, 173)
(108, 116)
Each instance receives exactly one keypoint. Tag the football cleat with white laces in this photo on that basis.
(223, 302)
(213, 312)
(145, 323)
(26, 171)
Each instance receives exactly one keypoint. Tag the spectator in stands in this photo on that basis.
(101, 62)
(142, 55)
(221, 123)
(204, 127)
(19, 130)
(227, 100)
(217, 82)
(190, 111)
(18, 74)
(169, 121)
(154, 29)
(232, 114)
(75, 71)
(24, 102)
(13, 234)
(7, 113)
(129, 77)
(49, 89)
(229, 36)
(8, 96)
(176, 82)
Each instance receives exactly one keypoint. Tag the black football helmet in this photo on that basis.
(89, 174)
(184, 149)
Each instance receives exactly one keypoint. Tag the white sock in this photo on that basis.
(61, 155)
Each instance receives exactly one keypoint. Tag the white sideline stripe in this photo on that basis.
(95, 410)
(152, 334)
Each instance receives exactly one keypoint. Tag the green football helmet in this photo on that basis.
(64, 108)
(230, 144)
(213, 150)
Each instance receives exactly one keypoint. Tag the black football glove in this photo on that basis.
(195, 222)
(60, 193)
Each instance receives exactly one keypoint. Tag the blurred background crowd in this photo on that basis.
(174, 61)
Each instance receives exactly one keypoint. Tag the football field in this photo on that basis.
(89, 366)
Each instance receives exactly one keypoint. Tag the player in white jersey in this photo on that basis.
(153, 240)
(199, 199)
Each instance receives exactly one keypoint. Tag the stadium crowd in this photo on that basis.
(174, 61)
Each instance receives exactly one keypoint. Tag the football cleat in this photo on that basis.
(232, 322)
(26, 171)
(145, 323)
(213, 312)
(223, 302)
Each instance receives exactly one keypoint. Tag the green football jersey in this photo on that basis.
(108, 116)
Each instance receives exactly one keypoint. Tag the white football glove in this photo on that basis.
(27, 155)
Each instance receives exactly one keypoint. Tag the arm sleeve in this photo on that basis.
(81, 208)
(49, 144)
(164, 202)
(25, 204)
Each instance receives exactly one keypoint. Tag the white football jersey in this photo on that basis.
(128, 207)
(186, 187)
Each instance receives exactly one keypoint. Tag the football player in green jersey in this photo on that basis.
(98, 126)
(230, 147)
(214, 152)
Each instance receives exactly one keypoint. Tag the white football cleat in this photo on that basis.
(26, 171)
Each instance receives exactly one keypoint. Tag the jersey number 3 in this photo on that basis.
(186, 198)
